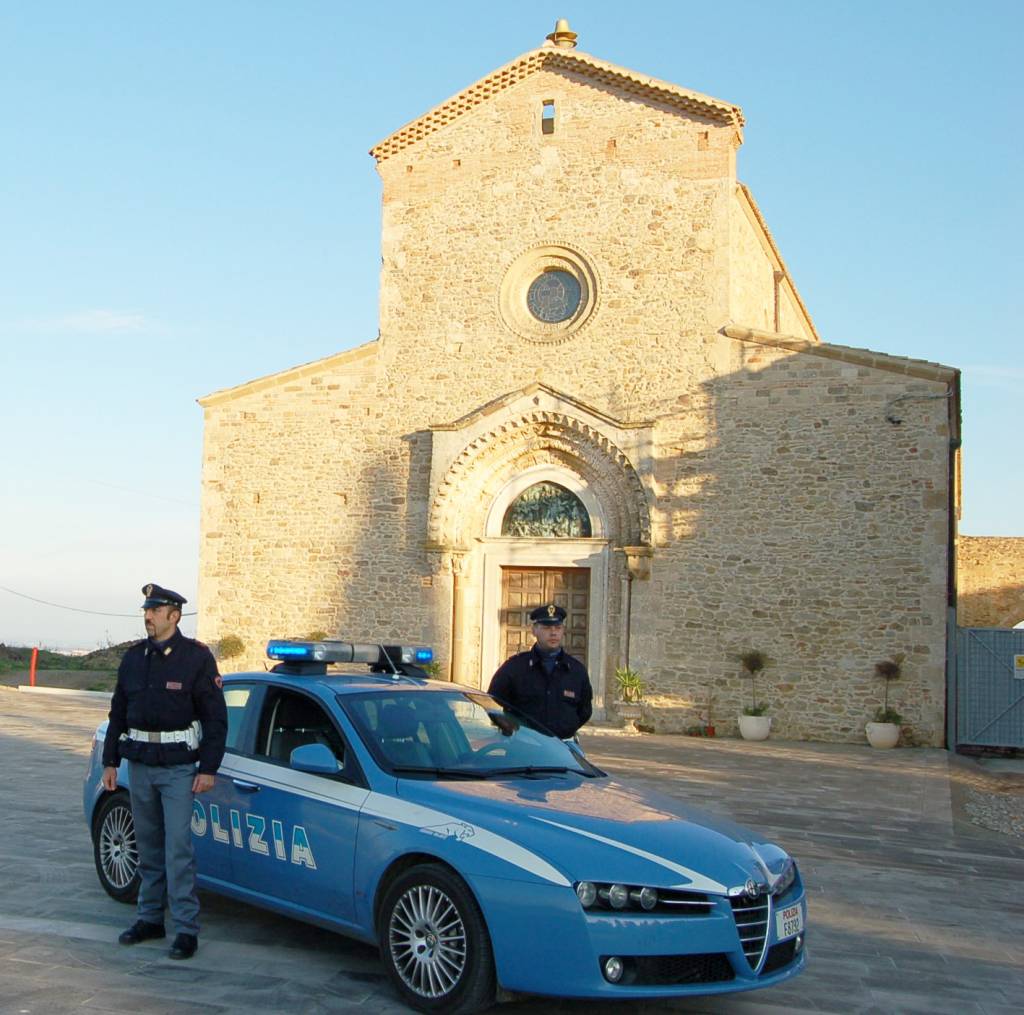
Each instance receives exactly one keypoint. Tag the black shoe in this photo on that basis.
(184, 946)
(142, 930)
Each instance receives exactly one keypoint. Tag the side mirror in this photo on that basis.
(316, 758)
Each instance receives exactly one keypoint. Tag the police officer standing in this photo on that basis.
(167, 713)
(547, 683)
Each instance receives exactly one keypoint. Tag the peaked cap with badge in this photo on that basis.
(157, 595)
(548, 614)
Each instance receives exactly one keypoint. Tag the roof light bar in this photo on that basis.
(347, 652)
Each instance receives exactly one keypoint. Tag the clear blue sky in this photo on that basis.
(186, 203)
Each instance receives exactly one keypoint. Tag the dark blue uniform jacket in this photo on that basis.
(163, 689)
(561, 702)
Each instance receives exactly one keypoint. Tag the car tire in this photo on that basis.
(114, 848)
(434, 942)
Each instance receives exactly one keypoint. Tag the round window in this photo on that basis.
(548, 293)
(554, 296)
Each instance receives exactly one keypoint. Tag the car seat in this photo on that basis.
(396, 729)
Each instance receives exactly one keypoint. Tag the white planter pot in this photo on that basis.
(755, 727)
(882, 734)
(630, 711)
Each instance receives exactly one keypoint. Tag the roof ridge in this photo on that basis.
(533, 60)
(920, 368)
(334, 359)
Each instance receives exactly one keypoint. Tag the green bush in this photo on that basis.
(888, 715)
(229, 647)
(753, 662)
(889, 670)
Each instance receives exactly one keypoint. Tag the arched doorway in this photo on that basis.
(545, 540)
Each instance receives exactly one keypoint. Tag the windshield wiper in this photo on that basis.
(594, 773)
(532, 770)
(447, 773)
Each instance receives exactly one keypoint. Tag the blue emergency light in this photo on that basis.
(381, 657)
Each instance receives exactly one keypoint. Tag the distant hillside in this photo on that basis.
(17, 658)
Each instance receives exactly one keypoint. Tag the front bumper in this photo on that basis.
(545, 943)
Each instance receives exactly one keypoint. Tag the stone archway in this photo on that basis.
(470, 501)
(459, 509)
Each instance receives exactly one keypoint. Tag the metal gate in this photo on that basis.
(989, 687)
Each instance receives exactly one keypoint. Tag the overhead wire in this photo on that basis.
(77, 609)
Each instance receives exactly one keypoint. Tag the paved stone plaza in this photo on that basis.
(912, 908)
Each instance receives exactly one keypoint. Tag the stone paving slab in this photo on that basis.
(911, 907)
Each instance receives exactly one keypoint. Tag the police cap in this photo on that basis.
(159, 596)
(548, 614)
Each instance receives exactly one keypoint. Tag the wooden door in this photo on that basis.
(523, 588)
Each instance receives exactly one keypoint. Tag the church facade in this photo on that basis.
(595, 383)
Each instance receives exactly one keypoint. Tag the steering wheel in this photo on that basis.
(491, 748)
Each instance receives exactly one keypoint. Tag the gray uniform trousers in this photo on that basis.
(162, 809)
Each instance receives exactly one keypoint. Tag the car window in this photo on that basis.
(293, 720)
(457, 731)
(237, 700)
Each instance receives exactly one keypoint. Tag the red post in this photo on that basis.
(32, 668)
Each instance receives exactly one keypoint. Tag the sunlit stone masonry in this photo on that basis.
(595, 383)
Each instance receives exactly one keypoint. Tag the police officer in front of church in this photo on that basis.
(167, 714)
(547, 683)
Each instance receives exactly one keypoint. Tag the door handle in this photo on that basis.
(246, 787)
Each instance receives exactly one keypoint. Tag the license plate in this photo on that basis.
(789, 922)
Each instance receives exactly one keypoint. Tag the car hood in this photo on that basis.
(604, 830)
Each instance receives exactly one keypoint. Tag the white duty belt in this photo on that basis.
(190, 736)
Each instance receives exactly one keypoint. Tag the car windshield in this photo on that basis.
(457, 734)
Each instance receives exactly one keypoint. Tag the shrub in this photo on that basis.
(889, 670)
(753, 662)
(229, 647)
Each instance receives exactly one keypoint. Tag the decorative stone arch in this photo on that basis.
(464, 498)
(536, 474)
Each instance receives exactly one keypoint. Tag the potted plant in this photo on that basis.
(755, 723)
(631, 693)
(884, 732)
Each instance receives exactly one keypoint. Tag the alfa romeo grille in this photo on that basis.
(752, 916)
(683, 903)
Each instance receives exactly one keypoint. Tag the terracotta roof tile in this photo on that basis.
(557, 59)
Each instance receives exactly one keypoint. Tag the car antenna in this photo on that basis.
(395, 672)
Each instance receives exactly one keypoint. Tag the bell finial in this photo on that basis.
(562, 37)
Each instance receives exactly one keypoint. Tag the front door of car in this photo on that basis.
(211, 810)
(292, 833)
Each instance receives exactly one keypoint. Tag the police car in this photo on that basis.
(475, 848)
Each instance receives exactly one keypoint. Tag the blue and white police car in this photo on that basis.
(475, 848)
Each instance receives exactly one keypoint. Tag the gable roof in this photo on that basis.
(551, 57)
(361, 357)
(920, 368)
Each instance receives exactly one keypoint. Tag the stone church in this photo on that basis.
(596, 383)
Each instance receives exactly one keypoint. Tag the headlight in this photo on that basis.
(618, 896)
(586, 892)
(785, 879)
(598, 896)
(647, 897)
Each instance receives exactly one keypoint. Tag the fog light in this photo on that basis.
(647, 897)
(618, 897)
(586, 892)
(613, 969)
(798, 944)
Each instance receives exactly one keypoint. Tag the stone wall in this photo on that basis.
(990, 581)
(776, 506)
